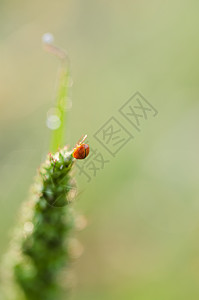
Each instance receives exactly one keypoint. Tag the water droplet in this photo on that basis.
(53, 119)
(66, 104)
(53, 122)
(48, 38)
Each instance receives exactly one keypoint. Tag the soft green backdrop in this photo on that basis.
(142, 241)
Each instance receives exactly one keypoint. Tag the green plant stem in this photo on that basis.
(59, 135)
(44, 248)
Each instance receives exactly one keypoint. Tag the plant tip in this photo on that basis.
(48, 38)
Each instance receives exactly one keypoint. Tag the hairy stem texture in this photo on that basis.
(44, 246)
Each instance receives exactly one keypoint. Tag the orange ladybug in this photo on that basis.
(81, 150)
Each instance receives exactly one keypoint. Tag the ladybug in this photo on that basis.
(81, 150)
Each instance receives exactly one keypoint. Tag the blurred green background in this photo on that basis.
(142, 239)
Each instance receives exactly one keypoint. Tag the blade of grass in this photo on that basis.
(59, 134)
